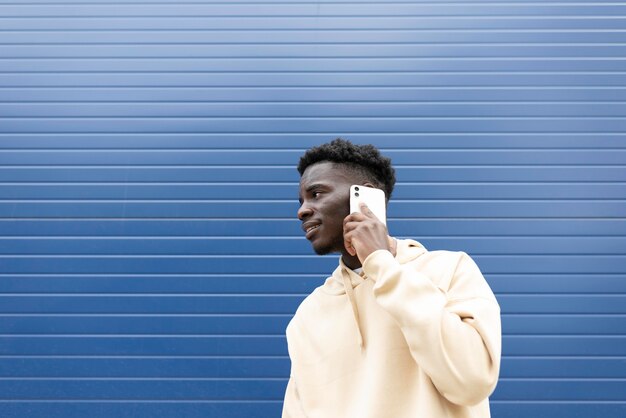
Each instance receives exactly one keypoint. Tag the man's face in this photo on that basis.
(324, 203)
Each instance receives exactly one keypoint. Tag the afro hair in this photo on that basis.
(363, 160)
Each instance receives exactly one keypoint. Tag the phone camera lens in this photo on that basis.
(356, 188)
(356, 194)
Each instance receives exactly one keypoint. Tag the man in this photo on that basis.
(396, 331)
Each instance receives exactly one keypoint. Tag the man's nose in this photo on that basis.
(304, 212)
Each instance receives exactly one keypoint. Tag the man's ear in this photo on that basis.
(368, 184)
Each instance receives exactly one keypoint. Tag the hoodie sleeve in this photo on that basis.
(452, 327)
(291, 406)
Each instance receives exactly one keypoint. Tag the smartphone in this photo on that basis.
(373, 198)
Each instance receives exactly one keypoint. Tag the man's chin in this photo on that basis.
(322, 249)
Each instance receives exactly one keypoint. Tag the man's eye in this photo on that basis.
(315, 194)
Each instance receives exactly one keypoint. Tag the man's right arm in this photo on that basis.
(453, 333)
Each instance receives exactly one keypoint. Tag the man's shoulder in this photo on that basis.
(443, 256)
(433, 259)
(410, 250)
(308, 308)
(310, 300)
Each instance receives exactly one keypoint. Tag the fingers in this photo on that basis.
(365, 210)
(360, 228)
(353, 217)
(351, 222)
(348, 225)
(349, 248)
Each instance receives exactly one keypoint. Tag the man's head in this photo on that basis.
(327, 172)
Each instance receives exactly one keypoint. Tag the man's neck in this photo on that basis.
(351, 261)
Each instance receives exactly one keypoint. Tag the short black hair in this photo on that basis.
(363, 160)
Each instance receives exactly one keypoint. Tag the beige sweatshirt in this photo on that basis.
(417, 337)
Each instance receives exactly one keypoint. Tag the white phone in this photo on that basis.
(373, 198)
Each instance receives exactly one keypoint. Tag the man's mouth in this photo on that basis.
(310, 229)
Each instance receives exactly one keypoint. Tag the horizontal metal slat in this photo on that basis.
(274, 304)
(310, 23)
(299, 246)
(264, 264)
(263, 409)
(564, 345)
(273, 2)
(562, 389)
(516, 409)
(466, 172)
(215, 284)
(253, 93)
(146, 346)
(307, 9)
(576, 324)
(570, 324)
(558, 283)
(290, 157)
(509, 283)
(272, 346)
(204, 346)
(321, 50)
(133, 409)
(562, 367)
(314, 79)
(273, 389)
(494, 209)
(330, 126)
(184, 390)
(286, 191)
(146, 325)
(241, 367)
(267, 367)
(420, 229)
(413, 35)
(313, 110)
(196, 304)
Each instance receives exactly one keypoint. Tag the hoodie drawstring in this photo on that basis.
(347, 283)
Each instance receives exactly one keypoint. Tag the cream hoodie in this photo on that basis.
(417, 337)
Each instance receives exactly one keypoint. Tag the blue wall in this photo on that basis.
(150, 258)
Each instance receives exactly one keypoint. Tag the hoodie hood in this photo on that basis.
(344, 280)
(407, 250)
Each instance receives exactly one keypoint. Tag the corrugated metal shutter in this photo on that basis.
(150, 258)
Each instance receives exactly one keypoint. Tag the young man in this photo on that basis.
(396, 331)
